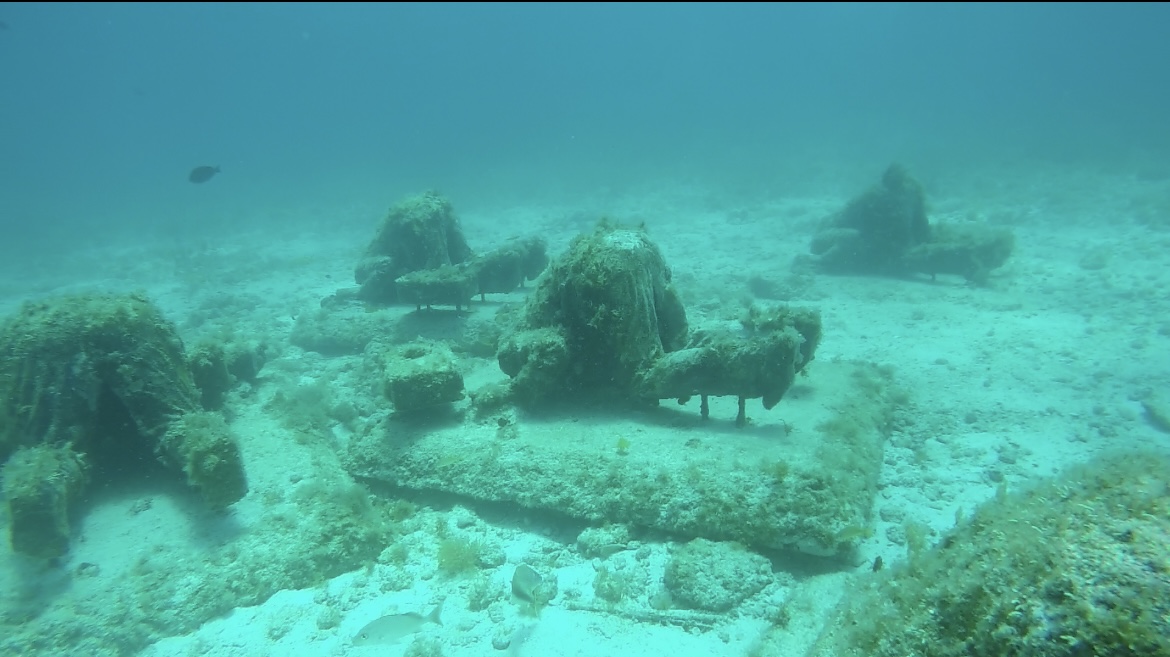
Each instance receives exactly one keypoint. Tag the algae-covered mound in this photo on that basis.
(714, 576)
(419, 233)
(420, 256)
(886, 231)
(604, 312)
(499, 271)
(968, 250)
(606, 322)
(74, 372)
(759, 361)
(507, 267)
(1076, 567)
(872, 233)
(421, 377)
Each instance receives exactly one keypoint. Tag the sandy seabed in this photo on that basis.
(1044, 367)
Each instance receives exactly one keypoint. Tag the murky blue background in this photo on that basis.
(104, 108)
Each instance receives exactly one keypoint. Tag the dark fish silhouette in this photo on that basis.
(202, 174)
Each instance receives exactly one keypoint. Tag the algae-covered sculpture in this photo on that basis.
(507, 267)
(760, 361)
(419, 233)
(74, 374)
(873, 232)
(420, 256)
(449, 285)
(498, 271)
(885, 231)
(601, 314)
(421, 377)
(968, 250)
(605, 321)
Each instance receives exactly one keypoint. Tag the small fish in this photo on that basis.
(611, 549)
(390, 629)
(202, 174)
(525, 581)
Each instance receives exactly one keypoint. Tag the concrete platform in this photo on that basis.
(799, 477)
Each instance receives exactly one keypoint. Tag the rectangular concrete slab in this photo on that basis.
(799, 477)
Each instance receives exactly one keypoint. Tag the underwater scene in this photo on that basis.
(574, 330)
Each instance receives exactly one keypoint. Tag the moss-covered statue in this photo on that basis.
(603, 313)
(421, 377)
(886, 231)
(605, 322)
(760, 359)
(419, 233)
(421, 257)
(74, 374)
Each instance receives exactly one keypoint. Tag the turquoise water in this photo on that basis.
(736, 134)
